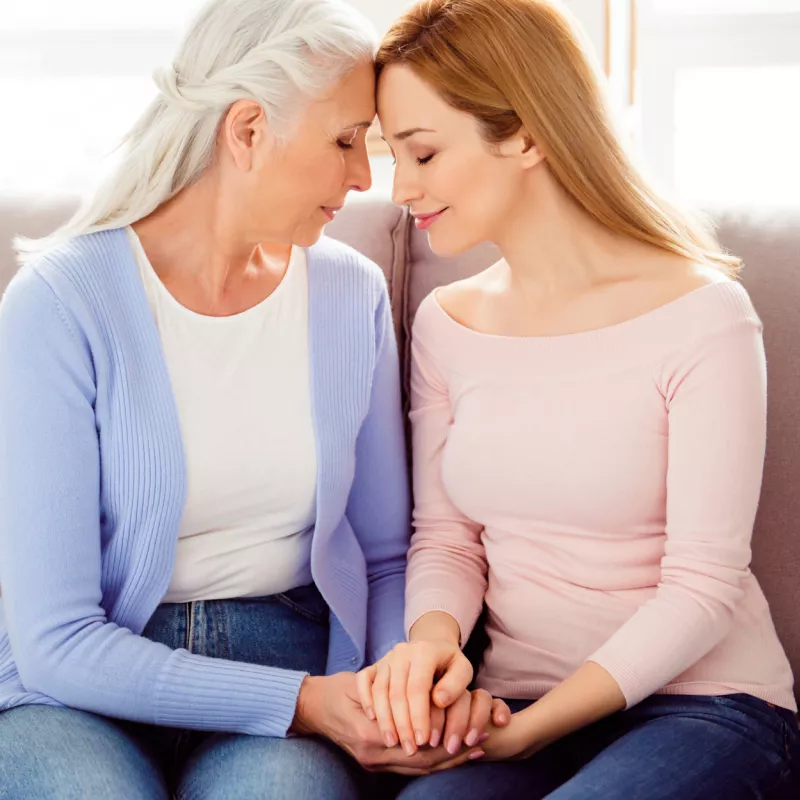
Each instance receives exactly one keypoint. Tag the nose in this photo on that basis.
(359, 174)
(405, 190)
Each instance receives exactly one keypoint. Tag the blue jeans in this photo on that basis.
(667, 748)
(49, 753)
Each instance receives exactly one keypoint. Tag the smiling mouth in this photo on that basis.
(424, 221)
(331, 211)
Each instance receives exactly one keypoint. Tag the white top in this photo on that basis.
(242, 388)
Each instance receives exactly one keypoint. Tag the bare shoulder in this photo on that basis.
(696, 276)
(462, 300)
(673, 279)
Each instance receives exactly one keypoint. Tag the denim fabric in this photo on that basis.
(52, 753)
(666, 748)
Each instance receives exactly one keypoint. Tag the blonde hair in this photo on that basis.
(520, 65)
(280, 53)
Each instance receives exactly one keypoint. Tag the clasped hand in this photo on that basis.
(418, 695)
(329, 706)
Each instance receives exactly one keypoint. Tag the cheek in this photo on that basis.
(322, 177)
(479, 191)
(470, 185)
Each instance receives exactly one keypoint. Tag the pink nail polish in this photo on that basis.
(475, 754)
(409, 748)
(471, 738)
(389, 739)
(436, 736)
(483, 738)
(420, 738)
(453, 744)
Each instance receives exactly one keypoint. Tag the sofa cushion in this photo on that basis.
(378, 229)
(769, 244)
(28, 216)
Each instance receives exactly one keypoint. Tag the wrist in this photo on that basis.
(305, 721)
(527, 725)
(436, 626)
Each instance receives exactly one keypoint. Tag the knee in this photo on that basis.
(53, 754)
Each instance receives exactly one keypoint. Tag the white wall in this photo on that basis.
(591, 14)
(381, 12)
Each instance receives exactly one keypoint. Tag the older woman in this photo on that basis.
(204, 510)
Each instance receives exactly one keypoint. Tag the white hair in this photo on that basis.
(280, 53)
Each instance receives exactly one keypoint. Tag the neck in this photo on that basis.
(198, 235)
(554, 247)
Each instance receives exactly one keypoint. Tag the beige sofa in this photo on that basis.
(769, 243)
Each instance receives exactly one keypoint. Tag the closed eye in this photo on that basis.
(423, 161)
(344, 145)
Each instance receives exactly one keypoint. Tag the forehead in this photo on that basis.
(401, 93)
(351, 99)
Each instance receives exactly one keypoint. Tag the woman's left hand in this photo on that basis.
(512, 742)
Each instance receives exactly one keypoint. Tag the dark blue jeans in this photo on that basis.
(49, 753)
(667, 748)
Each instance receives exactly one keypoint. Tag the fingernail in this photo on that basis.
(453, 744)
(371, 713)
(436, 736)
(484, 737)
(443, 698)
(471, 738)
(476, 754)
(389, 739)
(502, 719)
(408, 747)
(418, 735)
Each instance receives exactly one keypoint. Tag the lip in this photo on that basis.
(330, 211)
(424, 221)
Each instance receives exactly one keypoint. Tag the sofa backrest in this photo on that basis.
(769, 243)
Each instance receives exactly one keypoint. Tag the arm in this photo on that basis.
(716, 404)
(447, 563)
(716, 401)
(63, 643)
(379, 504)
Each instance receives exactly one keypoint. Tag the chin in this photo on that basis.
(451, 246)
(307, 235)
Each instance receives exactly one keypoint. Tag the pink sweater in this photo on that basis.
(598, 491)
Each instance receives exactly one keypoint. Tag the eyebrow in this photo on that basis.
(410, 132)
(358, 125)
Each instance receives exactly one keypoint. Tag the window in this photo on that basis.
(83, 15)
(715, 117)
(717, 88)
(726, 7)
(74, 77)
(736, 135)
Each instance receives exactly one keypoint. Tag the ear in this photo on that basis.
(245, 132)
(522, 147)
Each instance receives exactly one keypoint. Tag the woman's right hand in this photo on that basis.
(398, 691)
